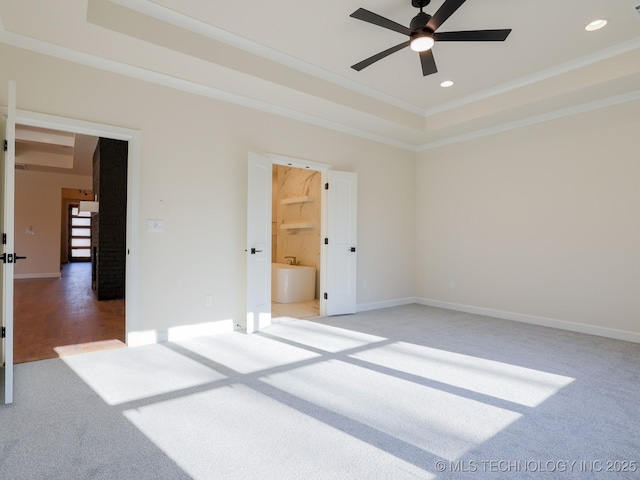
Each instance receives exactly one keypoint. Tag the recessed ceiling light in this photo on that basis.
(595, 25)
(446, 84)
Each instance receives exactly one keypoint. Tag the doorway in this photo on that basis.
(59, 314)
(338, 238)
(296, 245)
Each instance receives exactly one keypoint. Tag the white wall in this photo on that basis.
(541, 221)
(193, 176)
(38, 201)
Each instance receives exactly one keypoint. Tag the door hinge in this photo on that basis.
(326, 296)
(326, 186)
(4, 238)
(4, 332)
(326, 241)
(6, 146)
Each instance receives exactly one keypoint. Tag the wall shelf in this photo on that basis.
(305, 199)
(295, 226)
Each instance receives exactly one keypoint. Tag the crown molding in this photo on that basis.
(159, 12)
(75, 56)
(574, 64)
(545, 117)
(153, 9)
(148, 7)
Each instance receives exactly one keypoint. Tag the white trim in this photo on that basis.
(545, 117)
(323, 168)
(7, 290)
(42, 120)
(150, 337)
(365, 307)
(65, 53)
(183, 332)
(173, 17)
(535, 320)
(134, 139)
(566, 67)
(20, 276)
(191, 24)
(297, 162)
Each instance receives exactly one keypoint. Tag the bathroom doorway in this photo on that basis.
(296, 242)
(338, 232)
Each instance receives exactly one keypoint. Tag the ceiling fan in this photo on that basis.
(423, 34)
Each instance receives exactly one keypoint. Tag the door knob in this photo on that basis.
(254, 251)
(16, 257)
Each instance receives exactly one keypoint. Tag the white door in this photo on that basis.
(259, 242)
(342, 209)
(7, 174)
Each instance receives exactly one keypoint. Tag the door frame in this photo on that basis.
(8, 199)
(323, 168)
(134, 139)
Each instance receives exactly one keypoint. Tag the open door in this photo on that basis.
(342, 209)
(259, 242)
(7, 174)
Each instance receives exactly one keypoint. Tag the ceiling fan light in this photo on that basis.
(421, 43)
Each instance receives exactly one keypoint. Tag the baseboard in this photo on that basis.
(226, 326)
(181, 332)
(20, 276)
(534, 320)
(364, 307)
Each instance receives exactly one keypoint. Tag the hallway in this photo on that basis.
(60, 316)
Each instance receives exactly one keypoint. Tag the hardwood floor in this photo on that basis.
(63, 314)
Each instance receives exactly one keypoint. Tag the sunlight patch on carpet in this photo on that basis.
(323, 337)
(237, 432)
(513, 383)
(134, 373)
(252, 354)
(441, 423)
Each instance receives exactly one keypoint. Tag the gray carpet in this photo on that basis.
(410, 392)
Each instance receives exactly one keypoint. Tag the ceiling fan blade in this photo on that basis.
(365, 63)
(447, 9)
(370, 17)
(428, 63)
(473, 36)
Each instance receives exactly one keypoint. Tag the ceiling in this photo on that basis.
(293, 58)
(52, 151)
